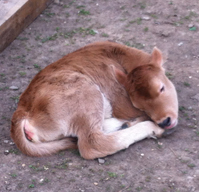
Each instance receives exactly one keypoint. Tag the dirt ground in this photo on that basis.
(165, 165)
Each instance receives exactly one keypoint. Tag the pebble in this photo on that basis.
(160, 143)
(6, 152)
(41, 180)
(145, 18)
(181, 43)
(165, 33)
(57, 1)
(142, 154)
(13, 87)
(96, 31)
(196, 97)
(95, 183)
(8, 188)
(191, 25)
(101, 161)
(45, 168)
(11, 143)
(5, 141)
(190, 108)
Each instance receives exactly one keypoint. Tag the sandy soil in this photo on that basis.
(167, 165)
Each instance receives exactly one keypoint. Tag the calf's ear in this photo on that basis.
(120, 76)
(156, 57)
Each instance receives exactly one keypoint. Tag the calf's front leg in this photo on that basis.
(98, 144)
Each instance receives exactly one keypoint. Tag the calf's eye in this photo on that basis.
(162, 89)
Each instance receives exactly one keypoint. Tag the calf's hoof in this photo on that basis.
(168, 132)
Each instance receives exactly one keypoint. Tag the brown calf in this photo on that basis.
(89, 94)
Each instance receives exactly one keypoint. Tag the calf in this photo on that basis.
(84, 100)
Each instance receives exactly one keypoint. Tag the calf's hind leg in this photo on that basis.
(94, 143)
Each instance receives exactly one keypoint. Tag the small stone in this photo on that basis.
(190, 108)
(8, 188)
(145, 18)
(196, 97)
(57, 1)
(23, 165)
(181, 43)
(6, 152)
(95, 183)
(165, 33)
(101, 161)
(191, 25)
(11, 143)
(13, 87)
(5, 141)
(41, 180)
(142, 154)
(45, 168)
(160, 143)
(96, 31)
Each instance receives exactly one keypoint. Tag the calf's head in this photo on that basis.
(151, 91)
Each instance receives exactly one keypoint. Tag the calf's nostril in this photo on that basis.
(165, 123)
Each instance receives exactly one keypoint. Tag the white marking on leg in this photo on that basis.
(137, 132)
(112, 124)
